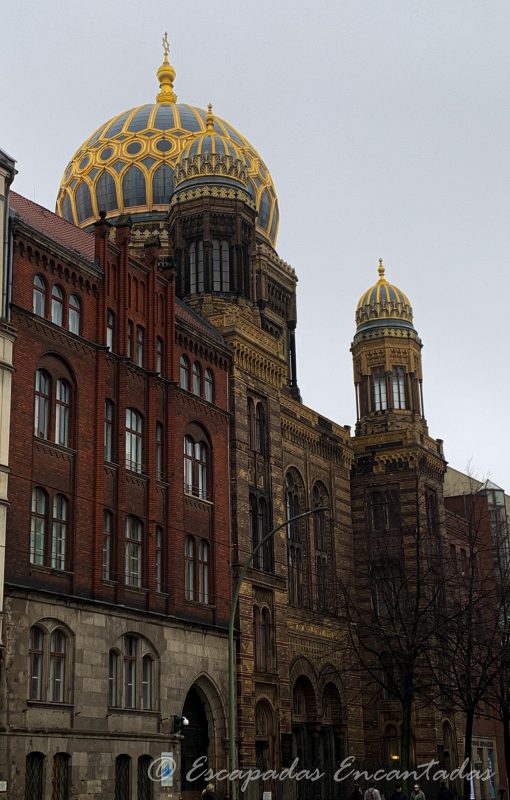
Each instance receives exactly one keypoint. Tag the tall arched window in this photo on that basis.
(130, 655)
(139, 345)
(34, 776)
(36, 663)
(107, 544)
(196, 266)
(59, 532)
(62, 412)
(184, 373)
(147, 670)
(159, 354)
(398, 382)
(106, 193)
(133, 188)
(61, 778)
(259, 518)
(189, 555)
(159, 451)
(42, 404)
(134, 552)
(196, 463)
(113, 678)
(108, 430)
(391, 745)
(39, 297)
(221, 265)
(38, 526)
(110, 330)
(267, 639)
(197, 379)
(74, 314)
(203, 571)
(122, 777)
(144, 782)
(379, 393)
(260, 429)
(320, 498)
(251, 424)
(134, 440)
(296, 552)
(57, 672)
(159, 559)
(57, 305)
(209, 385)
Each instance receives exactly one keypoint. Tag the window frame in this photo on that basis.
(379, 389)
(57, 305)
(74, 314)
(134, 441)
(134, 551)
(39, 296)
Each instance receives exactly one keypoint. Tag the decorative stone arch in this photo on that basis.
(214, 709)
(303, 675)
(329, 674)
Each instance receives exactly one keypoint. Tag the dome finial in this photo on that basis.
(380, 270)
(166, 76)
(210, 118)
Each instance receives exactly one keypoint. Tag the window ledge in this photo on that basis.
(51, 704)
(198, 604)
(50, 443)
(121, 710)
(197, 497)
(50, 570)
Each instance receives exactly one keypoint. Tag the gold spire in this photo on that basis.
(166, 76)
(380, 270)
(210, 118)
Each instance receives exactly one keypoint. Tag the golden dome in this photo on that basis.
(128, 164)
(383, 304)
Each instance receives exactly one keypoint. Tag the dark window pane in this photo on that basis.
(106, 193)
(140, 120)
(83, 202)
(162, 184)
(164, 118)
(189, 120)
(133, 187)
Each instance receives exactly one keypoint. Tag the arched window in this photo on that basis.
(110, 330)
(209, 385)
(263, 637)
(106, 193)
(320, 498)
(251, 424)
(108, 430)
(159, 559)
(379, 393)
(129, 338)
(260, 429)
(159, 354)
(144, 782)
(259, 518)
(196, 266)
(162, 185)
(107, 544)
(130, 654)
(34, 776)
(196, 460)
(197, 379)
(38, 526)
(184, 373)
(134, 551)
(42, 404)
(61, 776)
(133, 188)
(113, 678)
(221, 265)
(398, 383)
(74, 314)
(147, 668)
(59, 532)
(57, 671)
(57, 305)
(39, 297)
(134, 440)
(62, 412)
(36, 663)
(139, 345)
(203, 571)
(122, 777)
(83, 202)
(159, 450)
(189, 554)
(296, 552)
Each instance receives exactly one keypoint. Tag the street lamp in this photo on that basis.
(232, 760)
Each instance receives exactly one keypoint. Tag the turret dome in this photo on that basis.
(382, 305)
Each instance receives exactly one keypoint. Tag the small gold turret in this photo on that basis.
(166, 76)
(210, 118)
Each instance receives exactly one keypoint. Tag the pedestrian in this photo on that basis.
(417, 793)
(209, 793)
(372, 793)
(444, 792)
(398, 794)
(357, 793)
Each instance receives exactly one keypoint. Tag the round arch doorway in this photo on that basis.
(195, 743)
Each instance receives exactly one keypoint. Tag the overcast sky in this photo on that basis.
(386, 127)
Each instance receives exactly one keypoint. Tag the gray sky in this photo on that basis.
(386, 127)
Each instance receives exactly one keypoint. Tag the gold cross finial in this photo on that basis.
(210, 118)
(166, 46)
(380, 269)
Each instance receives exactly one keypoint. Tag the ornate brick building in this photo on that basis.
(158, 434)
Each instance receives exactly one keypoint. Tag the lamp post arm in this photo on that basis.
(232, 761)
